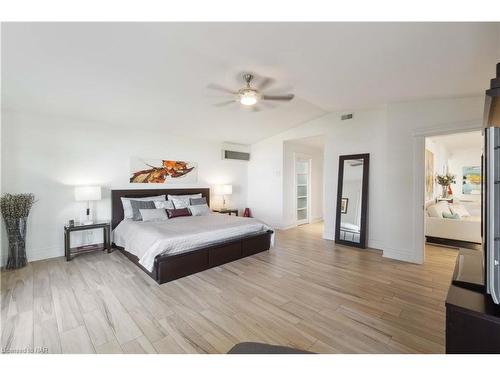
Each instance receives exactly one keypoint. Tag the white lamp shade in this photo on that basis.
(223, 189)
(88, 193)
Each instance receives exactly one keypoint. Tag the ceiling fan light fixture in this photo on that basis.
(249, 97)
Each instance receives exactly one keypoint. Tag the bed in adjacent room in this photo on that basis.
(186, 239)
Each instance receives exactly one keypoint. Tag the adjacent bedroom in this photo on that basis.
(453, 164)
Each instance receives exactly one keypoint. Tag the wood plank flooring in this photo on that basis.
(306, 293)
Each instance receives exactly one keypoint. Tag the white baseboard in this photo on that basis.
(405, 256)
(45, 253)
(286, 227)
(328, 235)
(316, 219)
(375, 244)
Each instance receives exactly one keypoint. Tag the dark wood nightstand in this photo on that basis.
(106, 245)
(226, 211)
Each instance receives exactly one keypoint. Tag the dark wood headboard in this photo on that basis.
(116, 202)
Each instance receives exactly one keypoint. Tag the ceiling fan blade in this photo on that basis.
(278, 97)
(214, 86)
(222, 104)
(265, 83)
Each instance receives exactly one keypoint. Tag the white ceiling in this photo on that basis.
(460, 141)
(155, 75)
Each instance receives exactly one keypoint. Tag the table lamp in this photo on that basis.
(224, 190)
(88, 193)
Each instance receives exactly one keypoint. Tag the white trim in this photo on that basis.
(328, 235)
(286, 227)
(455, 127)
(418, 238)
(404, 256)
(376, 244)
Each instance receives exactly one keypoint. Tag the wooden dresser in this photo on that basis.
(472, 322)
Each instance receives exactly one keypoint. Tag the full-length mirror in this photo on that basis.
(352, 200)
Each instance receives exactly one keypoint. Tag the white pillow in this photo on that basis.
(153, 214)
(459, 209)
(182, 201)
(127, 207)
(164, 205)
(199, 210)
(436, 210)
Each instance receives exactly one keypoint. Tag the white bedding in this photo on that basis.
(146, 240)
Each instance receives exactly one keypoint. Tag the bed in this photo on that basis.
(183, 246)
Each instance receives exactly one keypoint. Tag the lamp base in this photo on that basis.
(87, 222)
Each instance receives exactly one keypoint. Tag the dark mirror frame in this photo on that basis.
(364, 200)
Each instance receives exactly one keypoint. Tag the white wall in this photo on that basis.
(289, 186)
(390, 135)
(48, 156)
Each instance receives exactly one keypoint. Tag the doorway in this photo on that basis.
(422, 180)
(303, 181)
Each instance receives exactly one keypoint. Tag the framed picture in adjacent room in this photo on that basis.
(471, 180)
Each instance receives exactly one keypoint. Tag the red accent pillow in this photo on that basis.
(171, 213)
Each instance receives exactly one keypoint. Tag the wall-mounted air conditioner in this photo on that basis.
(235, 151)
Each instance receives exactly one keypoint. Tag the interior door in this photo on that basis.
(302, 189)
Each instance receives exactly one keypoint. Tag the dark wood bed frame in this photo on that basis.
(172, 267)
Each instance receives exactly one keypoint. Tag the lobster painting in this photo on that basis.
(167, 169)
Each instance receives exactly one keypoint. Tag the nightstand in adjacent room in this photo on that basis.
(227, 211)
(106, 245)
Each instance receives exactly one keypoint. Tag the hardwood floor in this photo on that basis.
(307, 293)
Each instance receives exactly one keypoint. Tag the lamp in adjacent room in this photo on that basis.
(88, 193)
(223, 190)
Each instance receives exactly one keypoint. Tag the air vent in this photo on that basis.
(235, 155)
(346, 117)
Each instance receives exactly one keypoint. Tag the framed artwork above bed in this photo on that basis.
(156, 171)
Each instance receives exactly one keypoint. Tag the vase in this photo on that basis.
(16, 233)
(445, 191)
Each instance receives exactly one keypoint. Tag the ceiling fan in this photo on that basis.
(249, 96)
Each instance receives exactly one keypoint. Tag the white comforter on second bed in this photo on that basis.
(146, 240)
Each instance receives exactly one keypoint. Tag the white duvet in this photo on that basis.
(146, 240)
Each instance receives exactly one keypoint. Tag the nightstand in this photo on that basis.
(227, 211)
(106, 245)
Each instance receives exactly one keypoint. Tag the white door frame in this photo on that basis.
(302, 157)
(419, 136)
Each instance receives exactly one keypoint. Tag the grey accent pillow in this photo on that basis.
(156, 214)
(127, 207)
(198, 201)
(199, 210)
(137, 205)
(182, 201)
